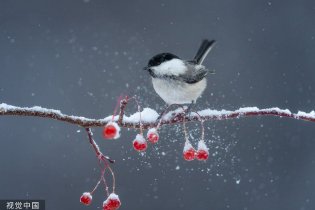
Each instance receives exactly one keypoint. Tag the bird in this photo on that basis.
(179, 81)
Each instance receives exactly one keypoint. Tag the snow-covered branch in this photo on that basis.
(149, 116)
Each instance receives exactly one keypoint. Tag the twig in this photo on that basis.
(97, 150)
(123, 104)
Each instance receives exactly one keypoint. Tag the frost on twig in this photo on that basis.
(149, 116)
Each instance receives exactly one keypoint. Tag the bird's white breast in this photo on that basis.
(177, 92)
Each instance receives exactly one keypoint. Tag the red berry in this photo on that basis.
(111, 131)
(140, 143)
(203, 151)
(202, 154)
(112, 202)
(153, 136)
(86, 198)
(189, 152)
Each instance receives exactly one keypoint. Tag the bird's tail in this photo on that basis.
(203, 51)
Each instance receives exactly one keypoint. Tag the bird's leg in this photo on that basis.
(188, 112)
(164, 111)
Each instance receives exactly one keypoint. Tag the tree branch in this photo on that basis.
(149, 116)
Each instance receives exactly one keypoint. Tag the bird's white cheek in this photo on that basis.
(172, 67)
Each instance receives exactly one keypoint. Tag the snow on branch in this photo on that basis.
(149, 116)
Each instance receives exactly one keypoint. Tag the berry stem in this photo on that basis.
(106, 186)
(103, 176)
(139, 110)
(116, 107)
(96, 186)
(202, 126)
(106, 165)
(123, 105)
(114, 179)
(184, 126)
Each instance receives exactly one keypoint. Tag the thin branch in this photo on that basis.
(123, 104)
(149, 116)
(96, 148)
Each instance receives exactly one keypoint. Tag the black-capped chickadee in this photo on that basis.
(178, 81)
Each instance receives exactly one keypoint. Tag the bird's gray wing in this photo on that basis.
(193, 74)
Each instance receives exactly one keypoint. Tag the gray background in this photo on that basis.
(79, 56)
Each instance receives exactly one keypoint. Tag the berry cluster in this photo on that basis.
(140, 143)
(190, 153)
(112, 131)
(111, 203)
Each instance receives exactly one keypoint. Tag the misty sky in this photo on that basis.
(79, 56)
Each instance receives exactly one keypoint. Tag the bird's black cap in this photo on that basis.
(160, 58)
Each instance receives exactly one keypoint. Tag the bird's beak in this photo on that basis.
(146, 68)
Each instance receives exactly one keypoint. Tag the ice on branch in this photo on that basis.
(304, 114)
(242, 111)
(149, 116)
(38, 111)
